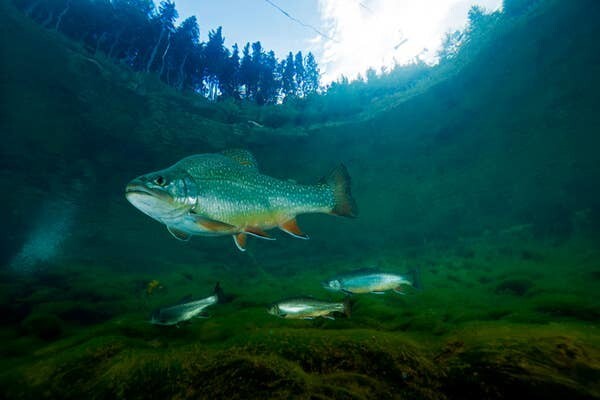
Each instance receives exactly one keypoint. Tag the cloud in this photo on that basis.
(380, 33)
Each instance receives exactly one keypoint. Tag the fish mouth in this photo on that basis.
(136, 187)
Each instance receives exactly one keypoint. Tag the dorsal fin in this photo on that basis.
(365, 270)
(242, 157)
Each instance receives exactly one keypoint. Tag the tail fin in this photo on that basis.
(219, 293)
(339, 181)
(414, 276)
(348, 303)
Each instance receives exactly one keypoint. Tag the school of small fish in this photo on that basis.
(302, 307)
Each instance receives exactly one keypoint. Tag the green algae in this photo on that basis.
(44, 326)
(485, 361)
(454, 339)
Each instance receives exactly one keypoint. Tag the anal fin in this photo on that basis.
(240, 241)
(179, 234)
(259, 233)
(291, 227)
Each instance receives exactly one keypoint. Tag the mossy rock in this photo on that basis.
(549, 368)
(515, 287)
(490, 361)
(44, 326)
(85, 315)
(567, 306)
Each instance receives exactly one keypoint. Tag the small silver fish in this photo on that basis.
(371, 280)
(308, 308)
(176, 314)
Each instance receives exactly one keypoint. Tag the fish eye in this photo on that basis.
(160, 180)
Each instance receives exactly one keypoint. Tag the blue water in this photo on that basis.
(481, 172)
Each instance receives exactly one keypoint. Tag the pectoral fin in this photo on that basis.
(240, 241)
(178, 234)
(259, 233)
(291, 227)
(212, 224)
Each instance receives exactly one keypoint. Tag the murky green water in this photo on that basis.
(486, 180)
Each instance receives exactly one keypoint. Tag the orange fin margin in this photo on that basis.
(240, 241)
(291, 227)
(259, 233)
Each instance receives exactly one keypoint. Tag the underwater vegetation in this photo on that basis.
(460, 339)
(481, 174)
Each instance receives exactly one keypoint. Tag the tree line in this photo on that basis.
(145, 38)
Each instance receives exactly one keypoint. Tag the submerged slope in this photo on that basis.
(488, 181)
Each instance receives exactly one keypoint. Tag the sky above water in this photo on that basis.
(346, 36)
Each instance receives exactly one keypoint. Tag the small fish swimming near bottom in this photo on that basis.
(309, 308)
(372, 280)
(176, 314)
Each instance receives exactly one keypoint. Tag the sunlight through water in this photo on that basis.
(381, 33)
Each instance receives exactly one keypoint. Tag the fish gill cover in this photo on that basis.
(481, 172)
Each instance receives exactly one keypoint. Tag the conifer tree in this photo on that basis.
(216, 58)
(299, 74)
(246, 72)
(268, 79)
(288, 83)
(185, 40)
(135, 33)
(230, 77)
(165, 19)
(312, 75)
